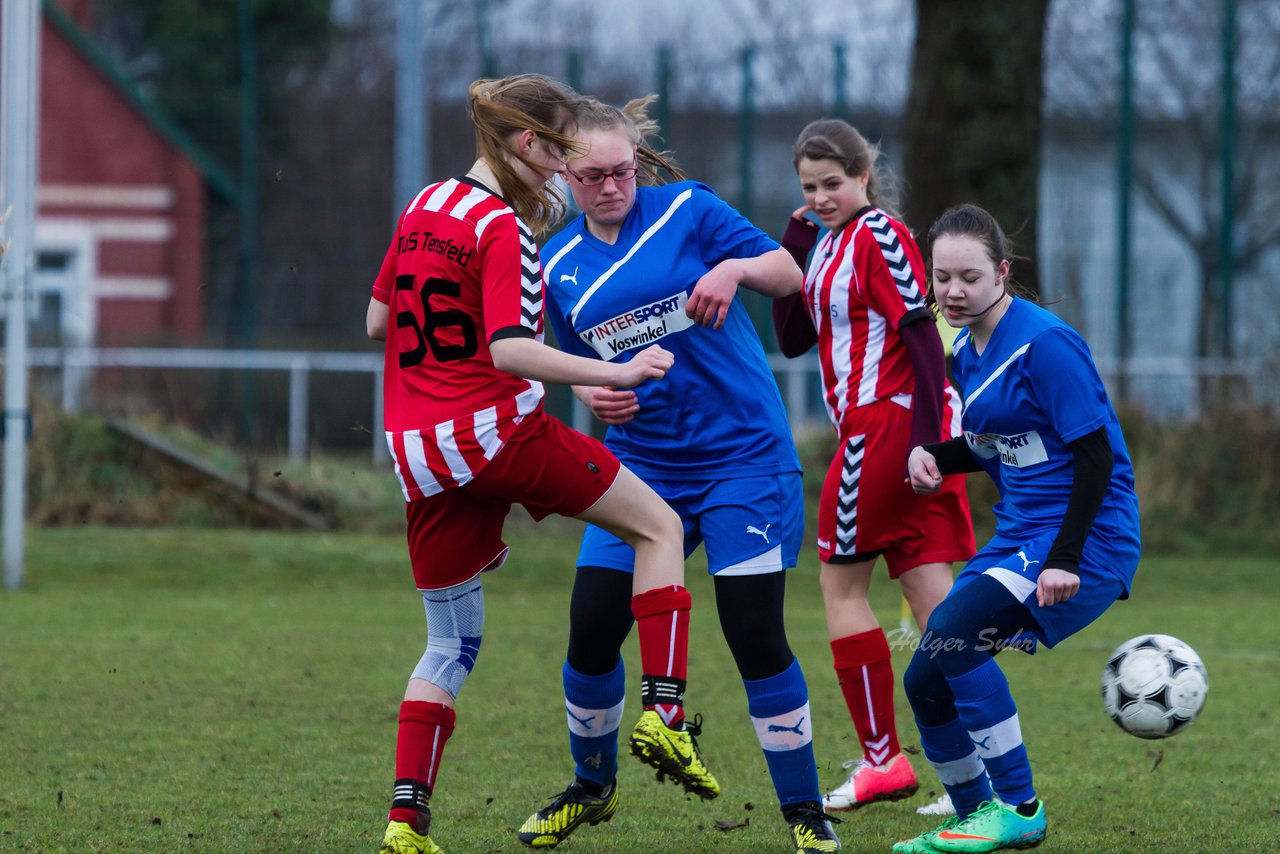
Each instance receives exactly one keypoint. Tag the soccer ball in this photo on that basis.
(1153, 686)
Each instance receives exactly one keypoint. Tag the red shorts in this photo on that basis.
(867, 507)
(545, 466)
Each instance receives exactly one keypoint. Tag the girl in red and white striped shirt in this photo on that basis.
(884, 387)
(458, 301)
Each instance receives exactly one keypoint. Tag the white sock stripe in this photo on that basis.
(435, 756)
(788, 731)
(671, 644)
(592, 723)
(871, 709)
(999, 739)
(959, 771)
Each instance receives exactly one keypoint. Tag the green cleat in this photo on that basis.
(995, 826)
(400, 838)
(549, 826)
(674, 753)
(923, 844)
(811, 830)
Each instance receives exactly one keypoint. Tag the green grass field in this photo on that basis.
(198, 691)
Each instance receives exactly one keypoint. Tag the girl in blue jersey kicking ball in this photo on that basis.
(1037, 419)
(662, 263)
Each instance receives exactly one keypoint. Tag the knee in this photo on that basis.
(447, 662)
(455, 625)
(668, 525)
(946, 623)
(926, 687)
(920, 677)
(760, 650)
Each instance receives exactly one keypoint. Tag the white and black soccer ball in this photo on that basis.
(1154, 686)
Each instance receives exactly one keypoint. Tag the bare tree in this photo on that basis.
(1178, 97)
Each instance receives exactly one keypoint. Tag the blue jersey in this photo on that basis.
(718, 412)
(1033, 390)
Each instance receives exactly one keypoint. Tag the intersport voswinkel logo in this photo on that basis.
(639, 326)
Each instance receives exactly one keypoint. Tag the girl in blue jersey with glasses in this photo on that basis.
(1037, 419)
(662, 262)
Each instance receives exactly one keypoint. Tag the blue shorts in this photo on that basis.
(750, 525)
(1017, 567)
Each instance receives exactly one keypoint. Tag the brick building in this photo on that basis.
(120, 225)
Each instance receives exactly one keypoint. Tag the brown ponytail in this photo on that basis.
(502, 108)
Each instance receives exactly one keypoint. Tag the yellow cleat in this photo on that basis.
(674, 753)
(400, 838)
(549, 826)
(811, 830)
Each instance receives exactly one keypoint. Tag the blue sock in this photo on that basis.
(779, 709)
(594, 709)
(987, 710)
(951, 753)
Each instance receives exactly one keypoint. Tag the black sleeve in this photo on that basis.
(924, 347)
(1094, 460)
(953, 456)
(511, 332)
(792, 325)
(799, 239)
(791, 322)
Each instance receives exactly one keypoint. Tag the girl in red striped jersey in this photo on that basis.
(883, 376)
(466, 428)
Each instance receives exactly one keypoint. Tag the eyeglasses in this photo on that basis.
(595, 179)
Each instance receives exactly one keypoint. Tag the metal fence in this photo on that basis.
(797, 380)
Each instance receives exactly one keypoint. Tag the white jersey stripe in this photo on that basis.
(467, 202)
(413, 205)
(996, 374)
(436, 199)
(644, 238)
(528, 400)
(488, 218)
(842, 336)
(871, 356)
(953, 402)
(550, 265)
(486, 421)
(418, 464)
(447, 443)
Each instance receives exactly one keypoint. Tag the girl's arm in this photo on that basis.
(791, 321)
(924, 347)
(1094, 460)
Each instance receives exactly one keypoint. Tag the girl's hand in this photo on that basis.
(713, 294)
(610, 405)
(1056, 585)
(651, 363)
(922, 472)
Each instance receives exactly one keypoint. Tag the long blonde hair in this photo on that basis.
(633, 122)
(501, 108)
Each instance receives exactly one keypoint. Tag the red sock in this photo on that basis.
(866, 679)
(424, 729)
(662, 618)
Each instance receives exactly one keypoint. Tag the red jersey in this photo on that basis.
(863, 281)
(461, 271)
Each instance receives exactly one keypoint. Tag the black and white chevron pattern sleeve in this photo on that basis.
(530, 280)
(895, 257)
